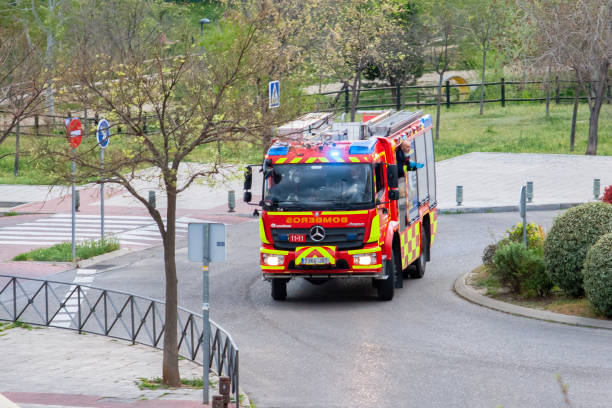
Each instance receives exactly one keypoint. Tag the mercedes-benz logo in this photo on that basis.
(317, 233)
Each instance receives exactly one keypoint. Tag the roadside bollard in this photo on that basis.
(231, 200)
(152, 198)
(596, 189)
(459, 195)
(224, 389)
(218, 401)
(77, 200)
(529, 191)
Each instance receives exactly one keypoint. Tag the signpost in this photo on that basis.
(74, 132)
(206, 244)
(274, 94)
(103, 136)
(523, 212)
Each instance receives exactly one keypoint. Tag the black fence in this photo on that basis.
(502, 92)
(115, 314)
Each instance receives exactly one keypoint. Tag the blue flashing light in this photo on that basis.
(351, 237)
(363, 146)
(278, 151)
(283, 237)
(426, 120)
(334, 153)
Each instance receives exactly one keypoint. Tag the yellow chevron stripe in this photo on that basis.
(363, 251)
(311, 160)
(273, 251)
(367, 266)
(281, 160)
(272, 268)
(354, 159)
(295, 160)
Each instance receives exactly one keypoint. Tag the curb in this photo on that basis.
(508, 208)
(469, 294)
(86, 263)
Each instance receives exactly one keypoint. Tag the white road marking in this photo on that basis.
(68, 315)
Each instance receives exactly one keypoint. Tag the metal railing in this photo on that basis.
(114, 314)
(503, 92)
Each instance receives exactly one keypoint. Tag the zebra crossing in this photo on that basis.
(67, 316)
(129, 230)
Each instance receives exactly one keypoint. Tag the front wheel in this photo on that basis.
(279, 289)
(386, 287)
(421, 263)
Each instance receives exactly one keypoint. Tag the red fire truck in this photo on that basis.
(348, 200)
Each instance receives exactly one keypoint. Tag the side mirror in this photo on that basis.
(248, 179)
(392, 176)
(394, 195)
(247, 197)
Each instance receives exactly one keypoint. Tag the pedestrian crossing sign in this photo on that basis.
(274, 94)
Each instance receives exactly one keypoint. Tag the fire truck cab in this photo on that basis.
(348, 200)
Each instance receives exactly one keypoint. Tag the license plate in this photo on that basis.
(315, 261)
(297, 237)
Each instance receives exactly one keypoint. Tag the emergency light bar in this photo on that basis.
(363, 146)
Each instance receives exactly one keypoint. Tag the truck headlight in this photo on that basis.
(273, 259)
(364, 259)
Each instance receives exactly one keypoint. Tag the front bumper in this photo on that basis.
(344, 265)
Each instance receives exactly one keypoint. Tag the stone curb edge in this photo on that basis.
(469, 294)
(508, 208)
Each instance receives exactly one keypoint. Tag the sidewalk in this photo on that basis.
(45, 367)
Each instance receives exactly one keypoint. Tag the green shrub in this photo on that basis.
(535, 235)
(63, 252)
(522, 269)
(566, 245)
(598, 275)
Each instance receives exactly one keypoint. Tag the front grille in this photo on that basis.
(340, 264)
(343, 238)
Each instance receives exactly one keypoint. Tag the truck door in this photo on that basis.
(430, 164)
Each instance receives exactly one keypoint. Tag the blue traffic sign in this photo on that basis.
(103, 133)
(274, 94)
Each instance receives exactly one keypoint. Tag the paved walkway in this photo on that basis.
(45, 367)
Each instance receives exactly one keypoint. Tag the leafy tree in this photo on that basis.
(352, 33)
(167, 106)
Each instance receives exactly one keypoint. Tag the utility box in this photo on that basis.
(206, 242)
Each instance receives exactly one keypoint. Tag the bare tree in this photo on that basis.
(484, 21)
(444, 33)
(577, 35)
(22, 81)
(168, 108)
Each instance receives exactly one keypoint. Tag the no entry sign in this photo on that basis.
(75, 132)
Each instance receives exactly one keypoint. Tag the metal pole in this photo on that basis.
(503, 92)
(523, 211)
(205, 319)
(102, 195)
(73, 206)
(448, 94)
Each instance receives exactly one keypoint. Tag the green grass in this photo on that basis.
(517, 128)
(10, 214)
(156, 383)
(63, 252)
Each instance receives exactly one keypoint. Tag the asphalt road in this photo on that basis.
(335, 345)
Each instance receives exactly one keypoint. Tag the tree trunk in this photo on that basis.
(548, 93)
(170, 371)
(593, 123)
(600, 86)
(482, 81)
(49, 100)
(438, 103)
(356, 90)
(574, 118)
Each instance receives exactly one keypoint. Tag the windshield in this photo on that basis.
(316, 186)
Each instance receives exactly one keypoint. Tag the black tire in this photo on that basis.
(399, 274)
(421, 263)
(386, 287)
(279, 289)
